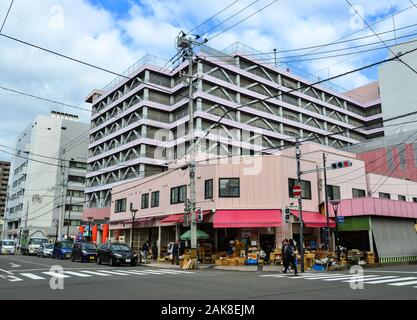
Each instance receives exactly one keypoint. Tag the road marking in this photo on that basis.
(391, 280)
(114, 272)
(358, 278)
(139, 273)
(274, 276)
(31, 276)
(171, 271)
(383, 271)
(14, 265)
(399, 284)
(96, 273)
(56, 274)
(372, 279)
(339, 276)
(73, 273)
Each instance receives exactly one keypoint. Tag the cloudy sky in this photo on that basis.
(114, 34)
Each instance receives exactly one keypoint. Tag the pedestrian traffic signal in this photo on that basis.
(199, 215)
(287, 214)
(341, 164)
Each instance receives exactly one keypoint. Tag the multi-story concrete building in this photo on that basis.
(140, 122)
(4, 178)
(48, 169)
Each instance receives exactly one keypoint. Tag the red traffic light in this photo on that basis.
(341, 164)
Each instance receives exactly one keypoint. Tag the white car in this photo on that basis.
(8, 246)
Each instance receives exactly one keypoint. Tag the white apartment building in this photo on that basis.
(48, 168)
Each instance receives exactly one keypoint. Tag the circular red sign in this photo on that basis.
(296, 190)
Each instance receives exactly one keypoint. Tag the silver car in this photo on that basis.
(45, 250)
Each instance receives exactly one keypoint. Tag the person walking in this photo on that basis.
(290, 256)
(284, 247)
(176, 252)
(145, 250)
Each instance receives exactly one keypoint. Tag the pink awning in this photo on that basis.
(174, 218)
(247, 218)
(314, 219)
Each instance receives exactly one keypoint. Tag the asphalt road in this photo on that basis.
(23, 277)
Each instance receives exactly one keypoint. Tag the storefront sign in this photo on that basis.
(340, 219)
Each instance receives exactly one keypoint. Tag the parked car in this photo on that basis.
(45, 250)
(31, 246)
(84, 252)
(116, 254)
(62, 250)
(7, 246)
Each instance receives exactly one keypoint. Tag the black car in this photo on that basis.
(84, 252)
(116, 254)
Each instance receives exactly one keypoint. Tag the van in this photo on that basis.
(7, 246)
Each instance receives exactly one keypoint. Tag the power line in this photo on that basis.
(231, 17)
(43, 99)
(7, 15)
(212, 17)
(240, 21)
(363, 19)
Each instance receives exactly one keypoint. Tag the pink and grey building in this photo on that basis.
(244, 197)
(139, 123)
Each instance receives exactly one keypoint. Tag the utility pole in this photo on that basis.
(62, 214)
(186, 43)
(69, 216)
(275, 58)
(300, 201)
(326, 204)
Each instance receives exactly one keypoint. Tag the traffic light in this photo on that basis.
(187, 206)
(287, 214)
(341, 164)
(199, 215)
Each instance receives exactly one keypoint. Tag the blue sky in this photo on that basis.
(114, 34)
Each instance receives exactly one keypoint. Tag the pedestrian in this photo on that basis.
(145, 250)
(155, 251)
(284, 246)
(176, 252)
(290, 256)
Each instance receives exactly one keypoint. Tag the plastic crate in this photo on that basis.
(318, 267)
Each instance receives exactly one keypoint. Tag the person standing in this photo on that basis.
(145, 250)
(290, 256)
(176, 252)
(284, 247)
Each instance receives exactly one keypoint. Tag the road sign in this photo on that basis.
(296, 191)
(340, 219)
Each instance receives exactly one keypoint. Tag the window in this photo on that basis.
(120, 205)
(229, 188)
(76, 179)
(73, 208)
(178, 194)
(72, 223)
(145, 201)
(208, 189)
(358, 193)
(155, 199)
(333, 192)
(384, 195)
(78, 165)
(75, 193)
(402, 198)
(305, 188)
(414, 199)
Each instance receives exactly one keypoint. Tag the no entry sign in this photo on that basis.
(296, 191)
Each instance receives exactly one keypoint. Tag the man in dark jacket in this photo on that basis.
(290, 256)
(176, 252)
(145, 249)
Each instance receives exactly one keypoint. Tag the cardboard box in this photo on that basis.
(218, 262)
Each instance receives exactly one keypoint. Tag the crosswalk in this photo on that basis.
(390, 280)
(46, 275)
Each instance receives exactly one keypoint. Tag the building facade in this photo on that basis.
(4, 178)
(398, 95)
(48, 169)
(140, 123)
(244, 198)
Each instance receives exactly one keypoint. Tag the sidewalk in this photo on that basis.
(163, 265)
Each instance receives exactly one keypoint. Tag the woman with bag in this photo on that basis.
(290, 256)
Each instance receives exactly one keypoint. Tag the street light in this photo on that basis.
(133, 212)
(90, 219)
(335, 205)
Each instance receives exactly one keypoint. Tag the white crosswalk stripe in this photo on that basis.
(77, 274)
(95, 273)
(393, 280)
(56, 275)
(32, 276)
(114, 272)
